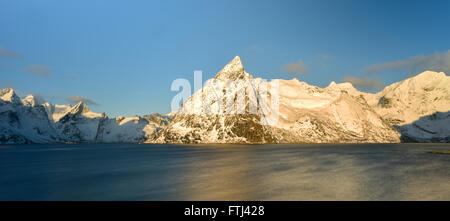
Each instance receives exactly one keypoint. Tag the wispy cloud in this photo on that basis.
(72, 76)
(324, 59)
(296, 68)
(8, 84)
(39, 98)
(56, 94)
(9, 54)
(41, 70)
(256, 48)
(363, 82)
(251, 52)
(76, 99)
(416, 64)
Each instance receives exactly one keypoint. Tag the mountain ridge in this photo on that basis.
(413, 110)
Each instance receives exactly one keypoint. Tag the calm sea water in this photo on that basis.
(224, 172)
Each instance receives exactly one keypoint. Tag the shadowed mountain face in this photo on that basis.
(413, 110)
(430, 128)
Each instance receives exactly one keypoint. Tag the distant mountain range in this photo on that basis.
(32, 121)
(413, 110)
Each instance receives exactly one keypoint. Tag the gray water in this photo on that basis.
(224, 172)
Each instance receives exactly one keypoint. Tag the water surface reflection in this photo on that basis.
(224, 172)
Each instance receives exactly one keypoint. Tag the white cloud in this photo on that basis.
(363, 82)
(76, 99)
(8, 84)
(416, 64)
(9, 54)
(72, 76)
(296, 68)
(41, 70)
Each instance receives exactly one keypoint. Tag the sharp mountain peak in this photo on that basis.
(234, 70)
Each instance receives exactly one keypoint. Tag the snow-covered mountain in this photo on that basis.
(56, 111)
(9, 95)
(21, 123)
(333, 114)
(80, 124)
(32, 101)
(31, 120)
(210, 124)
(419, 107)
(231, 108)
(307, 114)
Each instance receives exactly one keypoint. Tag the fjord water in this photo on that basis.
(224, 172)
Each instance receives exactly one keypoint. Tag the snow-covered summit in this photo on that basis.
(430, 74)
(82, 109)
(233, 71)
(341, 86)
(21, 123)
(412, 105)
(408, 100)
(57, 111)
(9, 95)
(32, 100)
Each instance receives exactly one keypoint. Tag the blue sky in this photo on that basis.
(122, 56)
